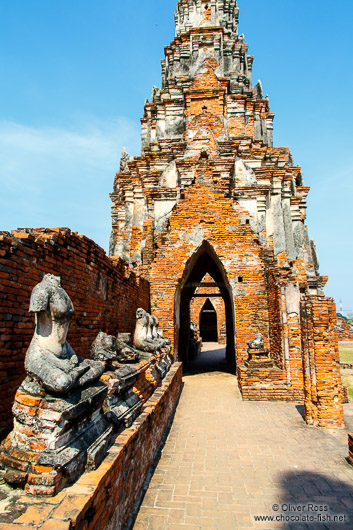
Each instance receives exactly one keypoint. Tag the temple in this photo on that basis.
(211, 204)
(209, 243)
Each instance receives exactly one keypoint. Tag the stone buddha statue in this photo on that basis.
(50, 360)
(157, 334)
(143, 338)
(257, 343)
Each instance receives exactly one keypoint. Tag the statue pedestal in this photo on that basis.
(55, 439)
(259, 359)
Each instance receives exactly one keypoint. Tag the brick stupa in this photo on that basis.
(211, 195)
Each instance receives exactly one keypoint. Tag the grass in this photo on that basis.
(348, 381)
(346, 356)
(346, 353)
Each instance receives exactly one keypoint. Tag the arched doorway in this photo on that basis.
(204, 261)
(208, 322)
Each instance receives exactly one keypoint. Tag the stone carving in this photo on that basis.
(126, 353)
(124, 160)
(68, 410)
(257, 343)
(155, 93)
(258, 90)
(143, 339)
(148, 338)
(157, 335)
(195, 341)
(194, 327)
(104, 348)
(123, 404)
(59, 429)
(50, 360)
(259, 356)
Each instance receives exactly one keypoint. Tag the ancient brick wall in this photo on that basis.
(104, 291)
(322, 377)
(235, 244)
(104, 498)
(264, 384)
(274, 301)
(291, 333)
(197, 304)
(344, 330)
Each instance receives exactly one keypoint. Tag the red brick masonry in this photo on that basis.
(104, 291)
(106, 496)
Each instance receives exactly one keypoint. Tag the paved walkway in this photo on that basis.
(227, 461)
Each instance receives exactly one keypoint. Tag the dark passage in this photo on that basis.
(204, 261)
(212, 358)
(208, 322)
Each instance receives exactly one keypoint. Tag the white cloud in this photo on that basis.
(55, 177)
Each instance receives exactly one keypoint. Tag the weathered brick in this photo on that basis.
(93, 281)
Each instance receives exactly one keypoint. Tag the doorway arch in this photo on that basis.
(203, 261)
(208, 322)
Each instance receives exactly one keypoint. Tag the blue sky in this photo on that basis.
(74, 76)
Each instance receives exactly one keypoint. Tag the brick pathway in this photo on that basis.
(227, 461)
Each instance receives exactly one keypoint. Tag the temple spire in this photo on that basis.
(202, 13)
(205, 29)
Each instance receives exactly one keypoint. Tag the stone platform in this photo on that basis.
(55, 439)
(102, 498)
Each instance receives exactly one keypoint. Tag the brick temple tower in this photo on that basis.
(210, 208)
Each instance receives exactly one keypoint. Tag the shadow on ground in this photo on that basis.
(315, 501)
(212, 358)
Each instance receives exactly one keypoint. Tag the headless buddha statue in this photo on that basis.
(157, 334)
(50, 360)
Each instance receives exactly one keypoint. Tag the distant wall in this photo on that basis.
(344, 330)
(105, 294)
(196, 306)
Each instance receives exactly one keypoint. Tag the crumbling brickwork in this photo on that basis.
(210, 194)
(105, 291)
(344, 330)
(105, 497)
(210, 207)
(322, 379)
